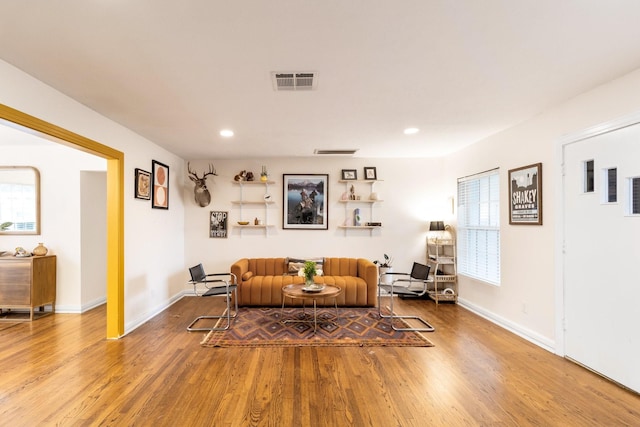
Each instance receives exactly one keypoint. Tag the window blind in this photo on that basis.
(479, 226)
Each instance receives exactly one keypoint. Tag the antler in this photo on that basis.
(212, 171)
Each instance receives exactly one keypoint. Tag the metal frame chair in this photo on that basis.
(401, 285)
(226, 285)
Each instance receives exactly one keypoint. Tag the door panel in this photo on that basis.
(602, 259)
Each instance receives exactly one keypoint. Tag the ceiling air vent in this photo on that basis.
(335, 152)
(294, 80)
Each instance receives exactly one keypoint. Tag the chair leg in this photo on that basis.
(427, 326)
(228, 316)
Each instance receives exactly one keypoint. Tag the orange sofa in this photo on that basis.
(260, 280)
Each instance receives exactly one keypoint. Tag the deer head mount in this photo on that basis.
(201, 192)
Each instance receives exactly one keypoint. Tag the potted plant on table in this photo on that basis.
(309, 272)
(384, 266)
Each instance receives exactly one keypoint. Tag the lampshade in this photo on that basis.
(436, 226)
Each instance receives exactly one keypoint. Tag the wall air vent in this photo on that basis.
(294, 80)
(335, 152)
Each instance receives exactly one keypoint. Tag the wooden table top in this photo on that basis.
(296, 291)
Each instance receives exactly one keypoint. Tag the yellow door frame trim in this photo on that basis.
(115, 206)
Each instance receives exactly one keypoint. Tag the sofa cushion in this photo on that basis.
(294, 265)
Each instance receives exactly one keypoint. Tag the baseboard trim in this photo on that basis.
(131, 326)
(525, 333)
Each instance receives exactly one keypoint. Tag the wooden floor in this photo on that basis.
(59, 370)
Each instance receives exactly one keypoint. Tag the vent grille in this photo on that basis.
(349, 152)
(294, 80)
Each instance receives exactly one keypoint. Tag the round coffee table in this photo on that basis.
(301, 291)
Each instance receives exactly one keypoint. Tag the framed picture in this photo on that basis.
(370, 173)
(525, 195)
(218, 224)
(349, 174)
(160, 195)
(143, 185)
(304, 201)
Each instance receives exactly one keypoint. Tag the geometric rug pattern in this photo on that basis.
(354, 326)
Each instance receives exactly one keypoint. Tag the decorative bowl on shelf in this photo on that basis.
(243, 222)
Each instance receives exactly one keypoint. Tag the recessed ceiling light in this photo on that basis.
(227, 133)
(411, 131)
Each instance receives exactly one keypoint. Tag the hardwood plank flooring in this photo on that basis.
(60, 370)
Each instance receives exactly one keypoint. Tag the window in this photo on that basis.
(610, 177)
(588, 177)
(18, 206)
(479, 226)
(634, 197)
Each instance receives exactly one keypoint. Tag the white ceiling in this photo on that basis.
(177, 72)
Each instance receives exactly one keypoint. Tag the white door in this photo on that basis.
(602, 258)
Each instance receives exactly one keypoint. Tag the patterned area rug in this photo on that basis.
(356, 327)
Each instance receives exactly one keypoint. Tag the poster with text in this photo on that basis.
(525, 190)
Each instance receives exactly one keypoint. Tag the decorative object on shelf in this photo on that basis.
(267, 197)
(21, 252)
(200, 191)
(374, 196)
(435, 229)
(243, 222)
(349, 174)
(160, 198)
(370, 173)
(40, 250)
(303, 200)
(264, 176)
(218, 224)
(356, 217)
(250, 176)
(373, 224)
(142, 184)
(525, 190)
(241, 176)
(352, 193)
(438, 230)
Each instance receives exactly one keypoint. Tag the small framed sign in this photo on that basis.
(370, 173)
(218, 224)
(349, 174)
(143, 184)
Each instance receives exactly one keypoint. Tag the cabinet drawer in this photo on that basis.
(15, 284)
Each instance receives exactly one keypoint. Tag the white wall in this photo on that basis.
(410, 188)
(154, 239)
(93, 238)
(526, 299)
(60, 212)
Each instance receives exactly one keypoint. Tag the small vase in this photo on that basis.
(40, 250)
(263, 178)
(308, 281)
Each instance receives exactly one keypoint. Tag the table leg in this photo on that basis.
(315, 317)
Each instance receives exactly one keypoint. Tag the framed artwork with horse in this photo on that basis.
(304, 200)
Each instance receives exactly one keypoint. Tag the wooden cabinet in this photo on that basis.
(27, 283)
